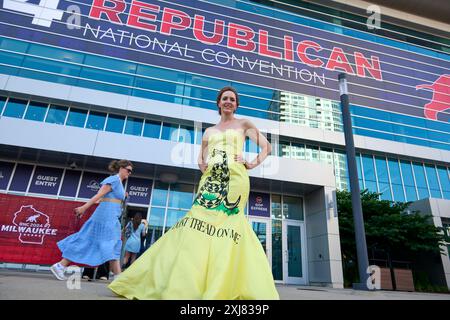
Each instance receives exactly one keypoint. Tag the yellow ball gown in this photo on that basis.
(212, 252)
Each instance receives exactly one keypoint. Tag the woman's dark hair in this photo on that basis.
(115, 165)
(139, 215)
(224, 89)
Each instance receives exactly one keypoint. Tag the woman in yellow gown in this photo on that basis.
(212, 252)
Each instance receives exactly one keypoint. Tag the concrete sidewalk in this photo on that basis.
(32, 285)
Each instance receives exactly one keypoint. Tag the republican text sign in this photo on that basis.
(241, 46)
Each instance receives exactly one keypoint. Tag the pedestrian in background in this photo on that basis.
(99, 239)
(133, 231)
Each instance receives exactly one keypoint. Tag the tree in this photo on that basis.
(389, 228)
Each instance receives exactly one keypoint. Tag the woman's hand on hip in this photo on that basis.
(239, 159)
(203, 167)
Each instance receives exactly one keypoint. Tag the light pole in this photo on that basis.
(358, 220)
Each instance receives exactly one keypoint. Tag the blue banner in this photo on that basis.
(46, 180)
(259, 204)
(232, 44)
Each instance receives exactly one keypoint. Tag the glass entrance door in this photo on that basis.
(262, 229)
(294, 259)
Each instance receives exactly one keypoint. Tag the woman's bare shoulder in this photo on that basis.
(208, 132)
(246, 124)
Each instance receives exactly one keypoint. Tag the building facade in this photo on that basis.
(83, 82)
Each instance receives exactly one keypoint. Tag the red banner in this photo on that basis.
(30, 228)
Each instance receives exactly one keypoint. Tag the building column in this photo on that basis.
(323, 242)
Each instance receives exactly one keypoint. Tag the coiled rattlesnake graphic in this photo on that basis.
(214, 191)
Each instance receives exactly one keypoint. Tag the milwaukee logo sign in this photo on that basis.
(30, 225)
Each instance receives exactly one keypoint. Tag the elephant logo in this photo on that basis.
(441, 96)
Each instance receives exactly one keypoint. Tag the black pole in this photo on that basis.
(360, 235)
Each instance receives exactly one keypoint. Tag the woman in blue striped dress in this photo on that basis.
(99, 240)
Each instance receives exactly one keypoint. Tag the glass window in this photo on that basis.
(381, 167)
(360, 176)
(276, 206)
(170, 131)
(2, 104)
(56, 53)
(110, 63)
(108, 76)
(14, 59)
(180, 195)
(58, 68)
(397, 187)
(152, 129)
(297, 151)
(385, 190)
(433, 181)
(155, 226)
(260, 229)
(173, 216)
(186, 135)
(256, 98)
(89, 74)
(200, 134)
(408, 180)
(21, 178)
(383, 178)
(343, 182)
(56, 114)
(294, 248)
(285, 149)
(340, 163)
(159, 196)
(312, 153)
(326, 155)
(420, 180)
(133, 126)
(292, 208)
(277, 253)
(208, 92)
(96, 120)
(70, 184)
(444, 179)
(251, 146)
(115, 123)
(76, 117)
(369, 173)
(147, 94)
(15, 108)
(159, 89)
(36, 111)
(437, 125)
(160, 73)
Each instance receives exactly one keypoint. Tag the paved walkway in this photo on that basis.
(42, 286)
